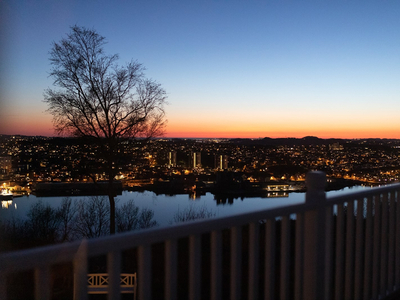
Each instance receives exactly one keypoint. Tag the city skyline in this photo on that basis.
(244, 69)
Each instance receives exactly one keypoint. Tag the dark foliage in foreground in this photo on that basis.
(73, 220)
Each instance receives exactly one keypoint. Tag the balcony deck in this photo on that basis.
(345, 247)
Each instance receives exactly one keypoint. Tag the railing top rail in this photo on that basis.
(31, 258)
(28, 259)
(363, 194)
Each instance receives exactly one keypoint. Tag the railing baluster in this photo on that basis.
(349, 261)
(285, 258)
(376, 248)
(339, 269)
(253, 259)
(236, 263)
(80, 272)
(3, 286)
(194, 267)
(299, 253)
(328, 286)
(170, 269)
(269, 272)
(397, 268)
(358, 270)
(368, 250)
(384, 246)
(391, 239)
(144, 272)
(114, 274)
(42, 283)
(216, 264)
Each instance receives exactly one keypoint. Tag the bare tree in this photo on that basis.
(66, 213)
(146, 219)
(100, 100)
(43, 223)
(91, 219)
(192, 213)
(129, 218)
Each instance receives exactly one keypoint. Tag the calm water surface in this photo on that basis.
(165, 207)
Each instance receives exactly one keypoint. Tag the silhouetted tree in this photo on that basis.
(43, 222)
(66, 213)
(146, 219)
(192, 213)
(84, 218)
(92, 217)
(127, 216)
(100, 100)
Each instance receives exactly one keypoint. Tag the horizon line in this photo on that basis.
(216, 138)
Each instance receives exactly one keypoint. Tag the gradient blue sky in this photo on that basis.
(230, 68)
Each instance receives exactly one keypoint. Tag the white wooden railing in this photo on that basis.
(345, 247)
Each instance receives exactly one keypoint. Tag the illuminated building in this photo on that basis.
(5, 164)
(195, 160)
(336, 147)
(172, 159)
(221, 162)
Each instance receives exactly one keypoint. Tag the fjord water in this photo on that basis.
(166, 206)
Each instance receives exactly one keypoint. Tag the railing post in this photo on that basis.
(80, 271)
(314, 239)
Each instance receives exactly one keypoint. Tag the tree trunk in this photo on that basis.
(112, 210)
(111, 194)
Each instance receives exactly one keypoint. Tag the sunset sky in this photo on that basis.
(265, 68)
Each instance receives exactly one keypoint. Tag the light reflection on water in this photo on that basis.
(7, 204)
(165, 206)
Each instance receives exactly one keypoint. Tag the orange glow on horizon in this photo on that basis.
(271, 134)
(296, 126)
(215, 129)
(31, 127)
(253, 135)
(341, 133)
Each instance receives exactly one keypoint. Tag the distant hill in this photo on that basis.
(307, 140)
(311, 140)
(266, 141)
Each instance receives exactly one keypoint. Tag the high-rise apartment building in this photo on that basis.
(221, 162)
(172, 159)
(195, 160)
